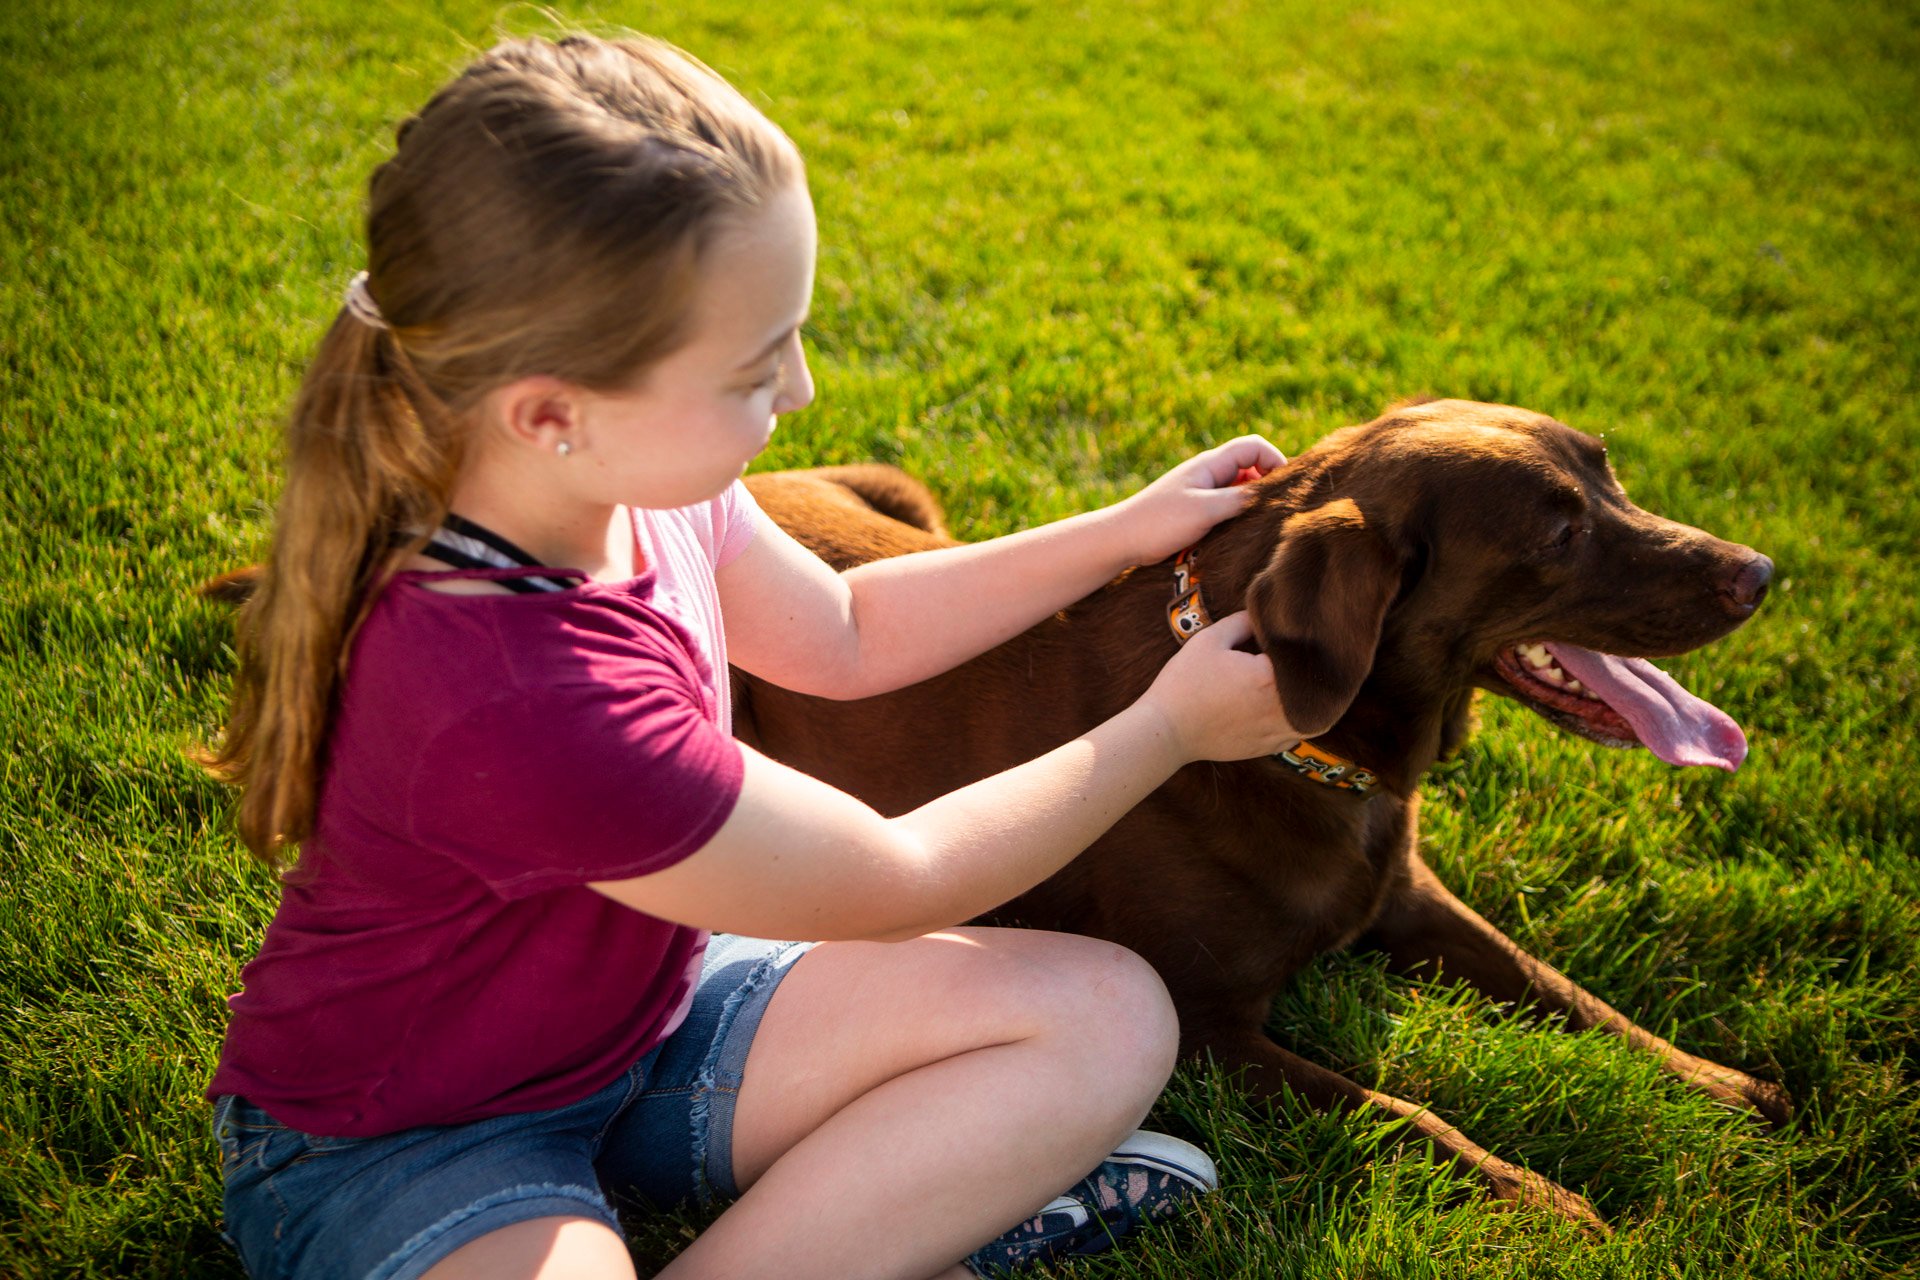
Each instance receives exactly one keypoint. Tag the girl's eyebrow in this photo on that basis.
(778, 342)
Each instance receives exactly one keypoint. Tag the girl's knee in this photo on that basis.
(1115, 1004)
(1094, 998)
(1152, 1023)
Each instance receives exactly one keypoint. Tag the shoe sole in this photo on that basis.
(1171, 1156)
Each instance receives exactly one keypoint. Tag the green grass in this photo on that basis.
(1060, 249)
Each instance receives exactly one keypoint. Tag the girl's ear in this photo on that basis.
(1318, 607)
(538, 410)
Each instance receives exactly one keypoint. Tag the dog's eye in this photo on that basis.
(1564, 538)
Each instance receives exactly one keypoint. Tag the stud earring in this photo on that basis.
(564, 448)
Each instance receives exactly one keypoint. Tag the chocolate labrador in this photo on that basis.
(1390, 571)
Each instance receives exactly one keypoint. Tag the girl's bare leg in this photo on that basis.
(902, 1105)
(905, 1103)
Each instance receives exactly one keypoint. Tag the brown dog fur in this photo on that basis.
(1386, 571)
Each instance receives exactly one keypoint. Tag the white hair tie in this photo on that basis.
(360, 304)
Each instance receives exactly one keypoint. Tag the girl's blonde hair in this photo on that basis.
(545, 213)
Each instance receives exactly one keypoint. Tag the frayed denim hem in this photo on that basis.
(468, 1223)
(717, 1088)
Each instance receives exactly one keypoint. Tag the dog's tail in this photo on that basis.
(891, 492)
(236, 586)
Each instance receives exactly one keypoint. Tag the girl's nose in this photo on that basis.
(796, 390)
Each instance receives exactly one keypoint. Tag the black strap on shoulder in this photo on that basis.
(465, 528)
(463, 544)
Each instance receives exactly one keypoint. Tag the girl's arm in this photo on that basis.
(798, 859)
(793, 621)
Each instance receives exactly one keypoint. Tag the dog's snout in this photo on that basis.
(1743, 592)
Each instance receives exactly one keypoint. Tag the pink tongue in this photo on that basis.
(1674, 725)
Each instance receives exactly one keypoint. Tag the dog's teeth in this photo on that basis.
(1574, 686)
(1536, 655)
(1552, 675)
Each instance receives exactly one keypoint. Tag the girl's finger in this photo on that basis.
(1229, 631)
(1227, 463)
(1256, 452)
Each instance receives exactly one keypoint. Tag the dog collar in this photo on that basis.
(1316, 762)
(1187, 612)
(1187, 617)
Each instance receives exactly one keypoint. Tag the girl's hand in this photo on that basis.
(1219, 700)
(1174, 511)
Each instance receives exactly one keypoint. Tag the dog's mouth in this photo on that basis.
(1621, 702)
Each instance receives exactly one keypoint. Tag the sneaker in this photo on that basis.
(1148, 1177)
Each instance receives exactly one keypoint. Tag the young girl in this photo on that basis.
(489, 1001)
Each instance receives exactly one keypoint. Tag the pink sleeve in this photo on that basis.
(733, 522)
(542, 789)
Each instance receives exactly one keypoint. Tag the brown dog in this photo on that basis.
(1390, 571)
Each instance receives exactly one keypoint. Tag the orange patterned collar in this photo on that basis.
(1187, 617)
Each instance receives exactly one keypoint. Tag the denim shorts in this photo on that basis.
(390, 1207)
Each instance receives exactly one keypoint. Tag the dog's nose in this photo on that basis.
(1744, 591)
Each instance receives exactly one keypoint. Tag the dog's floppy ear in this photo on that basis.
(1317, 609)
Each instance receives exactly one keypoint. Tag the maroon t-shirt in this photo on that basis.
(436, 957)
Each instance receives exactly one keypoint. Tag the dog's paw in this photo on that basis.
(1741, 1090)
(1770, 1100)
(1738, 1089)
(1514, 1187)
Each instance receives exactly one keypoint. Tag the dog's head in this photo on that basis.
(1452, 543)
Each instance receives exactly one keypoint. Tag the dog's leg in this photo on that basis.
(1458, 721)
(1266, 1068)
(1428, 932)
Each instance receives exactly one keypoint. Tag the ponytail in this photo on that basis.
(370, 459)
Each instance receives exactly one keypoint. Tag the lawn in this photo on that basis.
(1061, 248)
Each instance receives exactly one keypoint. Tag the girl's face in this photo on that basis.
(699, 416)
